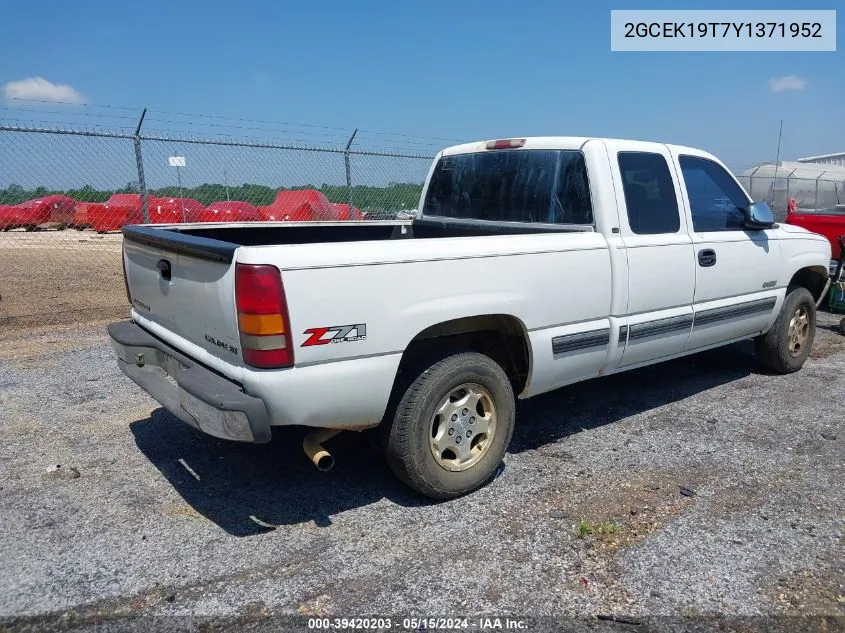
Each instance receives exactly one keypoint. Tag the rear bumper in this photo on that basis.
(193, 393)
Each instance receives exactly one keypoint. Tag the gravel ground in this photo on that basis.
(694, 488)
(57, 277)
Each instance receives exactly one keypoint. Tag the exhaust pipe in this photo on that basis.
(313, 447)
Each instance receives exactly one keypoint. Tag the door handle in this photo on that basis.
(706, 257)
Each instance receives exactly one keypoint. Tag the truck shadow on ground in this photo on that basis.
(249, 489)
(608, 399)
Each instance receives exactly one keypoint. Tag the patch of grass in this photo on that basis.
(584, 528)
(605, 528)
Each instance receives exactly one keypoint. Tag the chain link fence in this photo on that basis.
(810, 188)
(66, 193)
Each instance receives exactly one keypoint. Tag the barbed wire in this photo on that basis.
(244, 127)
(73, 103)
(394, 140)
(88, 114)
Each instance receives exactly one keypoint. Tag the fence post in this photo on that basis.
(142, 184)
(349, 171)
(751, 179)
(816, 203)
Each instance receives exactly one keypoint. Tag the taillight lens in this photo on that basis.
(125, 278)
(263, 319)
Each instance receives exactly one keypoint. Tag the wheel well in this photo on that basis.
(812, 278)
(502, 337)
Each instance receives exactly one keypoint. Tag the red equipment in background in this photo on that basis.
(121, 209)
(343, 213)
(300, 205)
(61, 209)
(29, 215)
(54, 209)
(230, 211)
(175, 210)
(8, 217)
(85, 212)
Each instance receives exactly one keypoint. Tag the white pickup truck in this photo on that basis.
(533, 264)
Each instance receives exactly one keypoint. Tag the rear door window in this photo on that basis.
(548, 186)
(649, 193)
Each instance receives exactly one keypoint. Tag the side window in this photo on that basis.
(716, 201)
(649, 193)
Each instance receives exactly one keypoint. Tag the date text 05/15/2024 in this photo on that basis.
(417, 624)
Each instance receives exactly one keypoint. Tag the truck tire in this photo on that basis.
(452, 426)
(786, 346)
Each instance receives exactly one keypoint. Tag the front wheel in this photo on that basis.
(785, 348)
(452, 426)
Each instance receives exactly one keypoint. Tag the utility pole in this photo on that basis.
(777, 164)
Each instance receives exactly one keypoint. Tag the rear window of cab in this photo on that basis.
(526, 185)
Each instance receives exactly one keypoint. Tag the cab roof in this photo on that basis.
(571, 143)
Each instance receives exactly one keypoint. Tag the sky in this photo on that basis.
(411, 75)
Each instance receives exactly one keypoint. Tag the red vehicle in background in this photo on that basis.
(230, 211)
(831, 224)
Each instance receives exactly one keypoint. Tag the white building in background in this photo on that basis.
(814, 183)
(826, 159)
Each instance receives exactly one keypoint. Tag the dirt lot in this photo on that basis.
(57, 277)
(691, 489)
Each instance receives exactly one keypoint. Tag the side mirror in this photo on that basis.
(758, 216)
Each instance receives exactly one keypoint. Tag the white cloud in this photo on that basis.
(789, 82)
(39, 89)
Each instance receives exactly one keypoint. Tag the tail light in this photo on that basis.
(263, 319)
(125, 278)
(507, 143)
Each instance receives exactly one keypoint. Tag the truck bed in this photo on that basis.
(218, 239)
(181, 280)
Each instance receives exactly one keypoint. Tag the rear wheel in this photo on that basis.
(452, 426)
(785, 348)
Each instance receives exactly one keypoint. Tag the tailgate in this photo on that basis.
(186, 284)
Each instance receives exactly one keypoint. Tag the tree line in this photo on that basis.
(393, 197)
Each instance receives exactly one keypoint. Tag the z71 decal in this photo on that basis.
(335, 334)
